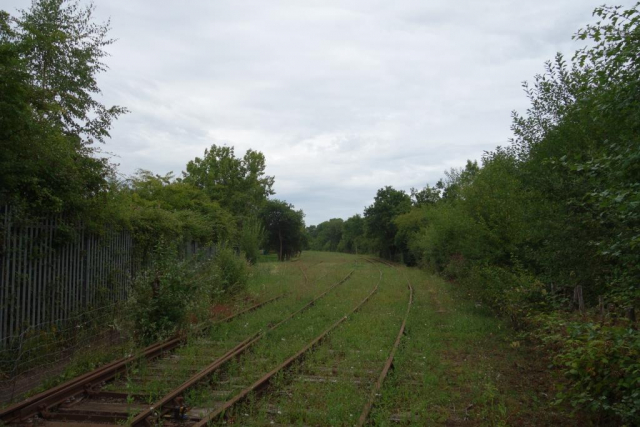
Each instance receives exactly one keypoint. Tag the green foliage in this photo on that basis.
(284, 227)
(409, 224)
(387, 205)
(49, 112)
(326, 236)
(163, 209)
(63, 49)
(449, 241)
(353, 238)
(601, 363)
(252, 237)
(172, 292)
(230, 271)
(160, 295)
(427, 196)
(557, 210)
(238, 184)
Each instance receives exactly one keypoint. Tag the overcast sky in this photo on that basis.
(342, 97)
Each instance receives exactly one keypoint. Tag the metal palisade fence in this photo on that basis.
(61, 290)
(59, 287)
(47, 276)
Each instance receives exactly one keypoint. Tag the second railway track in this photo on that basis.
(114, 393)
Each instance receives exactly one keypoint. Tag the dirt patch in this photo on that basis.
(220, 311)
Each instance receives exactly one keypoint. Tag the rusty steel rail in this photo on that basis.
(158, 407)
(387, 366)
(304, 271)
(52, 397)
(48, 399)
(247, 310)
(43, 407)
(264, 381)
(156, 410)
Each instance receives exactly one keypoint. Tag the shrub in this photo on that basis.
(172, 291)
(450, 233)
(602, 364)
(230, 271)
(160, 296)
(252, 237)
(512, 292)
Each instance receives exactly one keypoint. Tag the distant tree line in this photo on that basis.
(547, 229)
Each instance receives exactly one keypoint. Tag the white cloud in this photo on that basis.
(343, 97)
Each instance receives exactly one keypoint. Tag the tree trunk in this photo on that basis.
(578, 300)
(280, 237)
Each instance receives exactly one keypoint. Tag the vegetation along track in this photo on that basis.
(117, 391)
(456, 364)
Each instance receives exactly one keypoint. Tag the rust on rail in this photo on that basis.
(48, 399)
(264, 381)
(157, 407)
(387, 366)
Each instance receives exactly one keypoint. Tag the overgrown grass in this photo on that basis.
(285, 341)
(459, 365)
(334, 382)
(456, 365)
(267, 280)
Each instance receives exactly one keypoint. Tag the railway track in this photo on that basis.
(61, 405)
(389, 362)
(44, 401)
(108, 402)
(223, 411)
(345, 373)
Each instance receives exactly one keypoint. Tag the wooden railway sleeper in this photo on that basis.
(263, 382)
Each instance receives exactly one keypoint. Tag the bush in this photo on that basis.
(449, 233)
(252, 237)
(512, 292)
(160, 296)
(602, 364)
(230, 271)
(173, 292)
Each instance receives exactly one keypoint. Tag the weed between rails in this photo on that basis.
(157, 378)
(455, 365)
(287, 340)
(334, 382)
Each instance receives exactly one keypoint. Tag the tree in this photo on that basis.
(387, 205)
(326, 235)
(49, 59)
(164, 209)
(409, 224)
(64, 49)
(456, 180)
(427, 196)
(352, 235)
(238, 184)
(284, 227)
